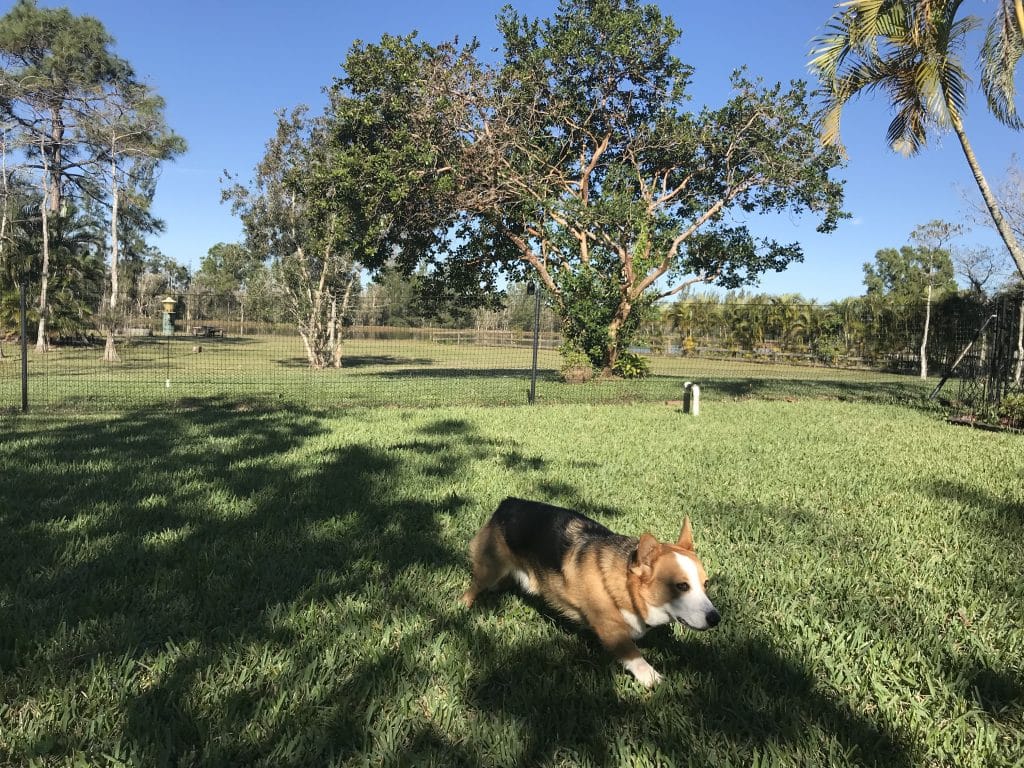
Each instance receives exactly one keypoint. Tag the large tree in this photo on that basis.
(127, 138)
(49, 58)
(292, 218)
(911, 50)
(576, 160)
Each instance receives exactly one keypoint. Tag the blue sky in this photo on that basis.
(225, 66)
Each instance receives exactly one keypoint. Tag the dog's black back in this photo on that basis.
(544, 533)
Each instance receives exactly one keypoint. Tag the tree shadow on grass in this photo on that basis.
(350, 362)
(910, 393)
(724, 699)
(1002, 513)
(142, 540)
(465, 373)
(721, 703)
(267, 603)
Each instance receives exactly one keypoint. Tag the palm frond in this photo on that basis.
(1000, 55)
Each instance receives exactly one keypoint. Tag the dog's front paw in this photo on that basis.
(647, 675)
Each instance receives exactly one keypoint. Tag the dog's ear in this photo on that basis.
(643, 558)
(686, 535)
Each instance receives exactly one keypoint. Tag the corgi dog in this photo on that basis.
(620, 586)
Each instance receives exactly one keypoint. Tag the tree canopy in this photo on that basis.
(575, 160)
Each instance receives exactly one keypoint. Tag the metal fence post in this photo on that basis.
(22, 290)
(534, 288)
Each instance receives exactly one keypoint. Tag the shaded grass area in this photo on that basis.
(232, 583)
(396, 372)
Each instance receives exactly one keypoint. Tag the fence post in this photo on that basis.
(22, 290)
(534, 288)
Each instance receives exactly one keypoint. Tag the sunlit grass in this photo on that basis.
(236, 584)
(395, 372)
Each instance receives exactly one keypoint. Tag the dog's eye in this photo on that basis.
(705, 585)
(683, 586)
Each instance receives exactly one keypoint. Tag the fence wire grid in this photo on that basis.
(731, 351)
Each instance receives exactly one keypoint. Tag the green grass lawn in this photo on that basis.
(392, 372)
(231, 584)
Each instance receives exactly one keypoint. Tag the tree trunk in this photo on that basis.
(1020, 346)
(110, 350)
(614, 328)
(310, 357)
(924, 336)
(3, 214)
(52, 157)
(1002, 227)
(42, 344)
(334, 339)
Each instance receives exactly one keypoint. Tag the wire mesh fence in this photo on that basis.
(215, 353)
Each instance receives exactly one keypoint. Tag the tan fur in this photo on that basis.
(595, 584)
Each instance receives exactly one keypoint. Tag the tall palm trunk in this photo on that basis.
(1002, 227)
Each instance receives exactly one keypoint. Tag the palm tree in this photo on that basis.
(910, 49)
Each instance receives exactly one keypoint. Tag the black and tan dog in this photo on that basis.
(619, 585)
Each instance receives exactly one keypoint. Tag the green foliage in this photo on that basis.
(903, 275)
(592, 301)
(828, 348)
(1000, 56)
(630, 365)
(576, 366)
(911, 50)
(575, 159)
(98, 135)
(76, 271)
(226, 270)
(1011, 410)
(290, 221)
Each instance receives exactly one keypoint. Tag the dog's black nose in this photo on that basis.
(712, 618)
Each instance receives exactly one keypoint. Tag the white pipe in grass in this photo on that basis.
(691, 398)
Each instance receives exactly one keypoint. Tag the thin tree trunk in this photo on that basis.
(336, 319)
(3, 216)
(1002, 227)
(52, 157)
(42, 345)
(924, 336)
(1020, 346)
(309, 348)
(621, 316)
(333, 341)
(110, 350)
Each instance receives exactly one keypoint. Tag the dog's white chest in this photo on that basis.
(637, 628)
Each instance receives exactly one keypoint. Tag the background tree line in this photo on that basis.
(82, 141)
(570, 157)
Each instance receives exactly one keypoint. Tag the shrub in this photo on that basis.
(1011, 410)
(576, 365)
(828, 348)
(631, 366)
